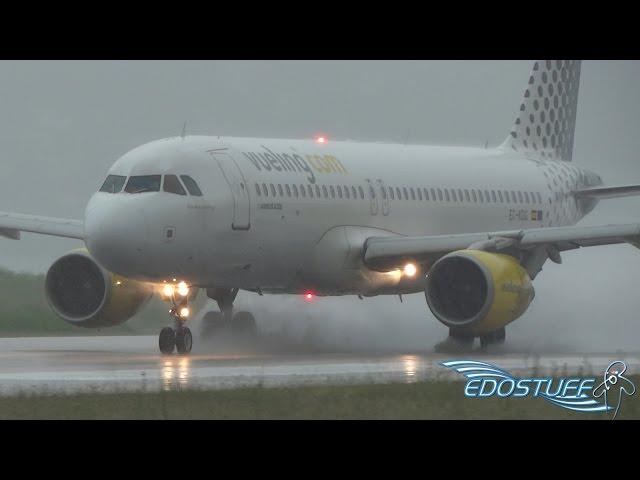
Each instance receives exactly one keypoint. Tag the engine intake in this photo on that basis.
(84, 294)
(477, 292)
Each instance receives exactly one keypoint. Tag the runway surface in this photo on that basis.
(70, 364)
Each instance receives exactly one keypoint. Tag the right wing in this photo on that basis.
(11, 224)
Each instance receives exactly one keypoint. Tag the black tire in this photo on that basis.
(244, 324)
(184, 340)
(167, 340)
(497, 337)
(211, 324)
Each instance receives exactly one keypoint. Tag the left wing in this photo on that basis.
(11, 224)
(382, 253)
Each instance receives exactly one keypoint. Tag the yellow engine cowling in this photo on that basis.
(84, 294)
(476, 292)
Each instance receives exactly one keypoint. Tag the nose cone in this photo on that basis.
(116, 233)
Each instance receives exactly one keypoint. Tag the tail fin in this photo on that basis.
(547, 118)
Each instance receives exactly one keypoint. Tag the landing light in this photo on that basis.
(410, 270)
(168, 290)
(183, 290)
(184, 312)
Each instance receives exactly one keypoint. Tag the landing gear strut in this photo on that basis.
(239, 324)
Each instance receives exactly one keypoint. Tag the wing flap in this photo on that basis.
(11, 224)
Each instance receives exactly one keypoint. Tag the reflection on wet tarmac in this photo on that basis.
(132, 363)
(175, 373)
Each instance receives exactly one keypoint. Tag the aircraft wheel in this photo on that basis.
(184, 340)
(244, 324)
(497, 337)
(167, 340)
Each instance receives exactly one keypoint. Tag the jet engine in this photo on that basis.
(84, 294)
(477, 292)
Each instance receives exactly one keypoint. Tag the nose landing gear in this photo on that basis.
(179, 337)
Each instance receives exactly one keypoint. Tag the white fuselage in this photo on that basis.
(233, 236)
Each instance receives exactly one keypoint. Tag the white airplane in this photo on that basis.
(469, 227)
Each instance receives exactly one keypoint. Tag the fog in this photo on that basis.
(62, 124)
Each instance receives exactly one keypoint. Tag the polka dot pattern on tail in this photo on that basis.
(546, 122)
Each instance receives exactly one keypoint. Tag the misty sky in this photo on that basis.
(62, 124)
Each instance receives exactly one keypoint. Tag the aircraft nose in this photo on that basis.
(116, 234)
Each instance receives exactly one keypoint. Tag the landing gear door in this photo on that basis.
(239, 190)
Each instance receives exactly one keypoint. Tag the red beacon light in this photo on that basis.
(309, 296)
(321, 139)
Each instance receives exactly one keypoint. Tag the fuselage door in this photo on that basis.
(384, 196)
(239, 190)
(373, 198)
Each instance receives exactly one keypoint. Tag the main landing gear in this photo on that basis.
(179, 337)
(226, 321)
(460, 342)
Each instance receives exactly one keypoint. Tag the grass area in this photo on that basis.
(425, 400)
(24, 311)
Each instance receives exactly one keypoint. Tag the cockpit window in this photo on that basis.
(113, 184)
(172, 185)
(191, 185)
(143, 183)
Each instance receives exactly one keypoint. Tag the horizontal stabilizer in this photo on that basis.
(609, 192)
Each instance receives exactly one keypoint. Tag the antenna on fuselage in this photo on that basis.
(184, 130)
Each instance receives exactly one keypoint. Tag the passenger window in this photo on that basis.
(520, 199)
(513, 197)
(480, 196)
(192, 186)
(384, 193)
(113, 184)
(295, 191)
(433, 195)
(526, 197)
(346, 192)
(446, 194)
(399, 193)
(288, 188)
(466, 196)
(426, 194)
(280, 191)
(500, 196)
(460, 197)
(324, 192)
(361, 192)
(419, 190)
(339, 189)
(332, 190)
(413, 193)
(265, 191)
(172, 185)
(493, 196)
(303, 191)
(453, 195)
(310, 191)
(257, 189)
(487, 197)
(273, 190)
(144, 183)
(439, 194)
(354, 194)
(318, 191)
(391, 193)
(475, 198)
(372, 192)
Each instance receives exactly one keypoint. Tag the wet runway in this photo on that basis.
(69, 364)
